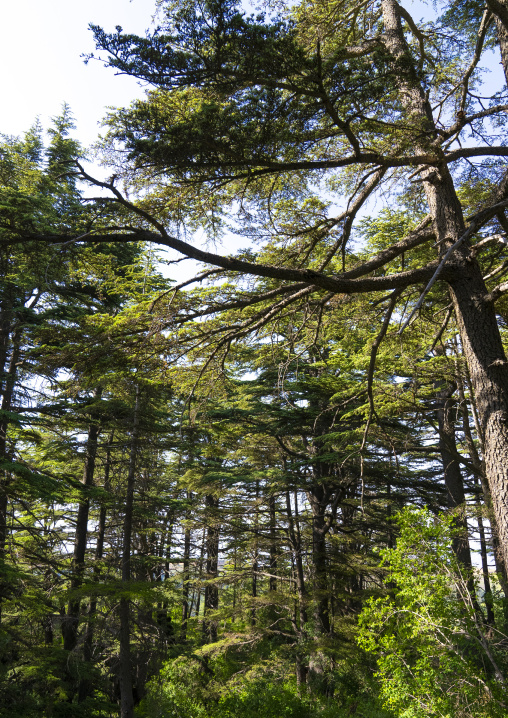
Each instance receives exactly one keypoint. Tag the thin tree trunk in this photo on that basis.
(186, 571)
(296, 548)
(318, 500)
(200, 575)
(8, 380)
(452, 475)
(85, 686)
(71, 621)
(485, 565)
(255, 565)
(273, 545)
(212, 554)
(126, 692)
(166, 543)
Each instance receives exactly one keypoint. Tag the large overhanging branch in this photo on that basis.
(253, 168)
(350, 282)
(337, 284)
(341, 284)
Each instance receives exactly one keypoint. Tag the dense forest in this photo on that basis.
(270, 482)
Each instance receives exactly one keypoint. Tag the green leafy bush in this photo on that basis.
(202, 686)
(435, 654)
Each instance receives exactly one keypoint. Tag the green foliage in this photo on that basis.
(435, 655)
(232, 682)
(267, 456)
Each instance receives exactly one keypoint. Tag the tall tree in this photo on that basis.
(255, 111)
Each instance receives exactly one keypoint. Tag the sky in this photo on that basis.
(41, 43)
(41, 48)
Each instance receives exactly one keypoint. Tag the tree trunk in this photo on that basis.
(71, 621)
(186, 572)
(451, 473)
(212, 554)
(126, 692)
(272, 584)
(487, 501)
(294, 538)
(200, 576)
(85, 686)
(167, 543)
(7, 383)
(485, 565)
(499, 8)
(473, 308)
(318, 500)
(255, 564)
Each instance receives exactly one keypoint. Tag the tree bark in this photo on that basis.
(295, 542)
(126, 685)
(186, 572)
(487, 499)
(212, 555)
(255, 563)
(85, 686)
(319, 500)
(71, 621)
(272, 582)
(485, 565)
(200, 576)
(499, 8)
(474, 310)
(7, 384)
(452, 474)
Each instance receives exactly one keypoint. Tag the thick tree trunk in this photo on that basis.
(487, 502)
(499, 8)
(474, 311)
(489, 375)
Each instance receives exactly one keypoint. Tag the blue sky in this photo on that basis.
(40, 46)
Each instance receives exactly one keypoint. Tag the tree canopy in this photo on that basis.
(200, 474)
